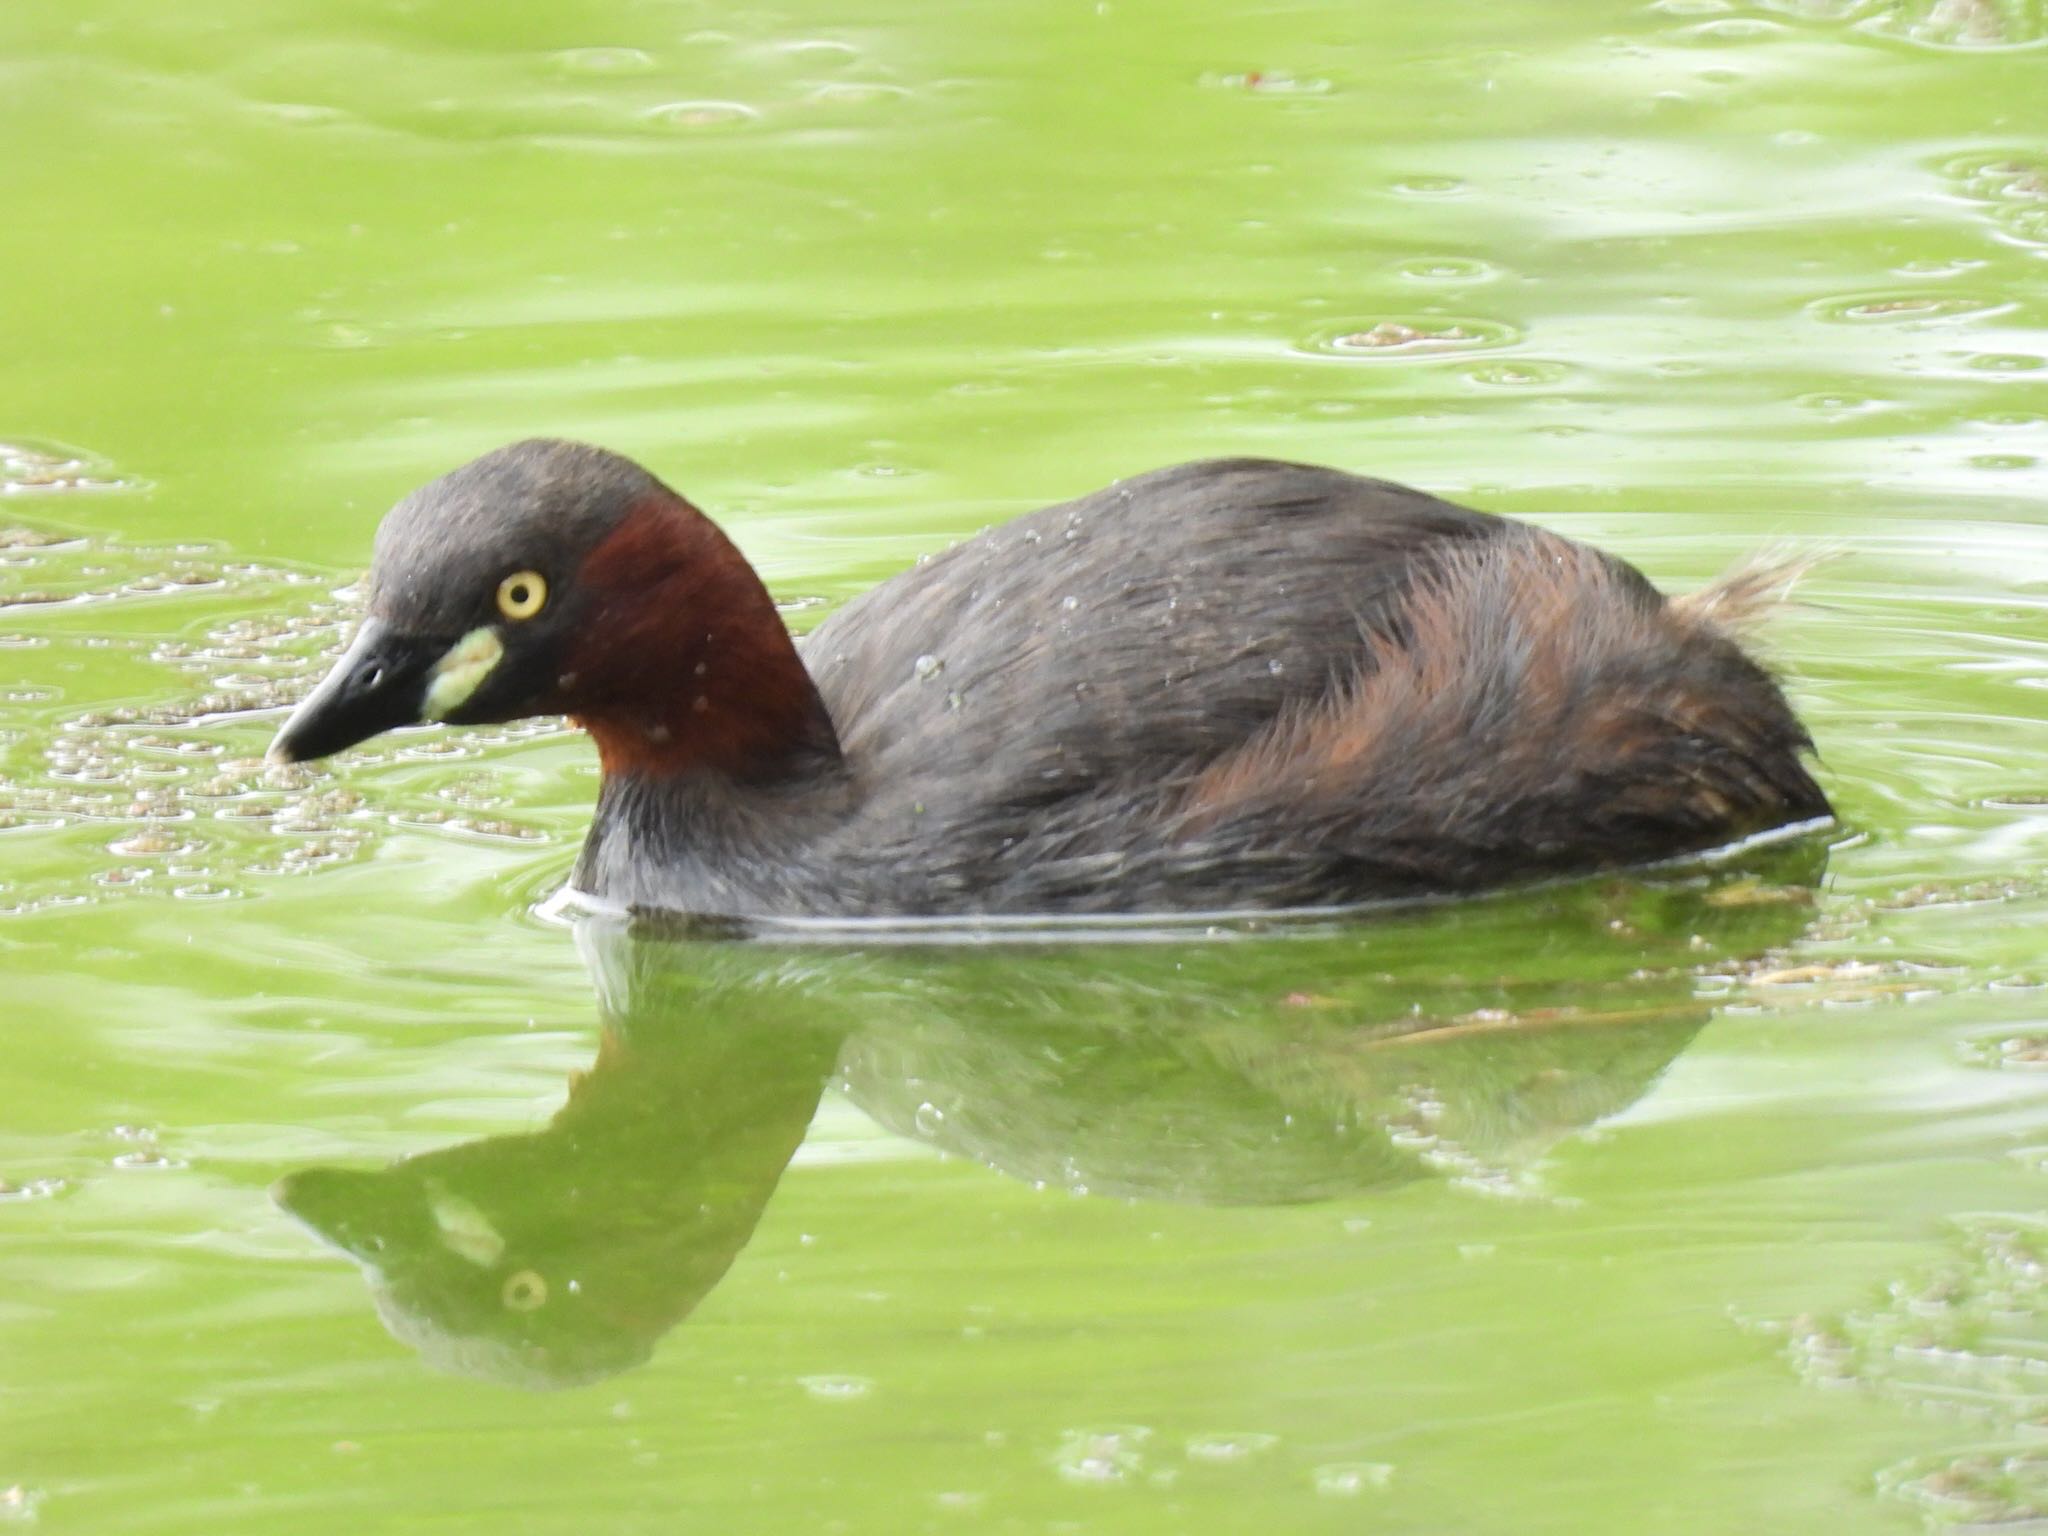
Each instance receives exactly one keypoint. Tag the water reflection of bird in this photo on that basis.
(1301, 1066)
(561, 1256)
(1236, 684)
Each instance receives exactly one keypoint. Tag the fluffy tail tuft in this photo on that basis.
(1750, 592)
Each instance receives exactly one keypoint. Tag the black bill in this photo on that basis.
(380, 683)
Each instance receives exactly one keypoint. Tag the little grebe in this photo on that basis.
(1228, 684)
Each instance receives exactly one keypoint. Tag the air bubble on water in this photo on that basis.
(1348, 1479)
(1225, 1448)
(1448, 269)
(1906, 308)
(702, 115)
(606, 61)
(836, 1389)
(27, 467)
(854, 93)
(930, 1119)
(1429, 186)
(1837, 402)
(1101, 1456)
(147, 1157)
(828, 51)
(19, 1503)
(1268, 82)
(1397, 337)
(1732, 29)
(1519, 375)
(143, 1150)
(34, 1189)
(2026, 1052)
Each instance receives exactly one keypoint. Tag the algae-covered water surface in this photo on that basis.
(345, 1185)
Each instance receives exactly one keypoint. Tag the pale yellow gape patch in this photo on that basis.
(461, 672)
(464, 1229)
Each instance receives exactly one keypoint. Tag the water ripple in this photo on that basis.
(1394, 338)
(1907, 307)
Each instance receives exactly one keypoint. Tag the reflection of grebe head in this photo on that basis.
(447, 1281)
(560, 1257)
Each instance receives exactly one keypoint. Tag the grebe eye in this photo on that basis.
(522, 594)
(525, 1291)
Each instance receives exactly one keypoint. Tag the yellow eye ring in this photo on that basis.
(525, 1291)
(522, 594)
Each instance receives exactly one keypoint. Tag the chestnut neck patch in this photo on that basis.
(681, 663)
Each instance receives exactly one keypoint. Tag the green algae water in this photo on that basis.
(344, 1186)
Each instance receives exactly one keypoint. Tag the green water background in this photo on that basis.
(1680, 279)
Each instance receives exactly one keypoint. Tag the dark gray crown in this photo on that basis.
(542, 505)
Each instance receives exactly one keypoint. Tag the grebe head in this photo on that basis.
(551, 577)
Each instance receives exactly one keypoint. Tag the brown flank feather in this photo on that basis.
(1530, 696)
